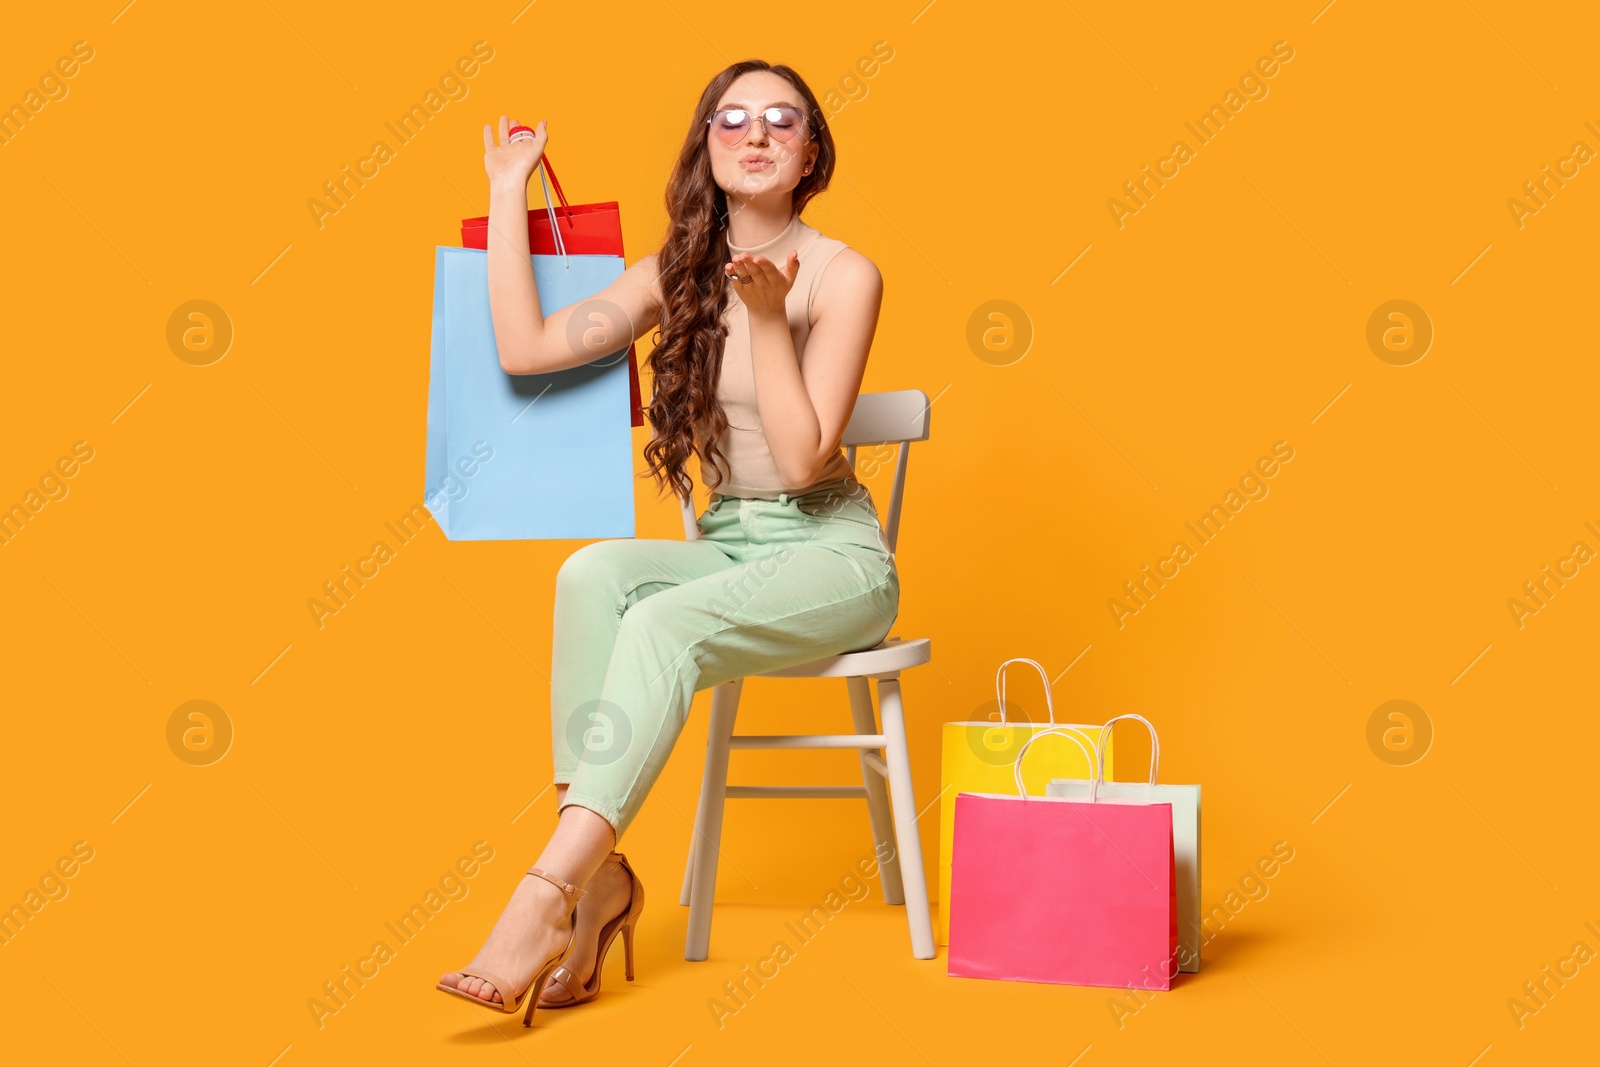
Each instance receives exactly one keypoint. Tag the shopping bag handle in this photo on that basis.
(545, 159)
(1094, 779)
(550, 211)
(1000, 687)
(1155, 744)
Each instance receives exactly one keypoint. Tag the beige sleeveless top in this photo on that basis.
(748, 468)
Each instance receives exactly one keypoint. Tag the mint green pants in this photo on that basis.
(642, 624)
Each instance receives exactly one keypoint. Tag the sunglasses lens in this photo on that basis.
(731, 125)
(783, 123)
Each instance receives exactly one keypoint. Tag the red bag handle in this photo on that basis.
(550, 172)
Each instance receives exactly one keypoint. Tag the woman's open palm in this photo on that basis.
(767, 291)
(508, 163)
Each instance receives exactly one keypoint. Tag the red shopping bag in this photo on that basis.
(1062, 890)
(586, 230)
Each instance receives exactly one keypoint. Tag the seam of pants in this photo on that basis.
(664, 579)
(803, 611)
(629, 589)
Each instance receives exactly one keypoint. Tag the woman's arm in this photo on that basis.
(528, 341)
(804, 410)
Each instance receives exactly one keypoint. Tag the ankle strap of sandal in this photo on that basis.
(572, 891)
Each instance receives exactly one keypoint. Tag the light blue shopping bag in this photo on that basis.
(524, 457)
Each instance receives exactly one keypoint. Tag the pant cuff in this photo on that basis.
(608, 812)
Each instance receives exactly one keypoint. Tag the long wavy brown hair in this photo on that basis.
(685, 415)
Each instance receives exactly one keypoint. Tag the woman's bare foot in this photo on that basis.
(535, 925)
(610, 890)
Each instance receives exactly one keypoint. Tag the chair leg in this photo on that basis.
(903, 798)
(699, 817)
(688, 865)
(866, 722)
(708, 834)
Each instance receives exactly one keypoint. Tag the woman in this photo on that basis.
(763, 329)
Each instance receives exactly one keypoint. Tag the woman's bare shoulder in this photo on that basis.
(848, 278)
(853, 266)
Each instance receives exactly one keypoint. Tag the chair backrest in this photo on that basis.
(893, 418)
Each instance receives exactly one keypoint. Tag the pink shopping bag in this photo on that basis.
(1063, 890)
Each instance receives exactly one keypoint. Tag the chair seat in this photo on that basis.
(893, 654)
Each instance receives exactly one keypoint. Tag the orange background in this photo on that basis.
(1228, 314)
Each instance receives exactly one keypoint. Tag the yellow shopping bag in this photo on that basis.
(978, 757)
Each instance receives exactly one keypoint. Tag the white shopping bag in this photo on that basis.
(1185, 801)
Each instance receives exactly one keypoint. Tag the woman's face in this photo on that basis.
(760, 164)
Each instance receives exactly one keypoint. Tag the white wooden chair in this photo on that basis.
(899, 418)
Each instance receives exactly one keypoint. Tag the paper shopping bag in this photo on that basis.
(583, 229)
(523, 456)
(977, 757)
(1056, 889)
(1185, 801)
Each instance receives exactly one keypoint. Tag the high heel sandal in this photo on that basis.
(623, 923)
(508, 1004)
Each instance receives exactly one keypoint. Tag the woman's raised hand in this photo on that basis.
(512, 164)
(762, 284)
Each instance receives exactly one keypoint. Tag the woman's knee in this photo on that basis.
(592, 566)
